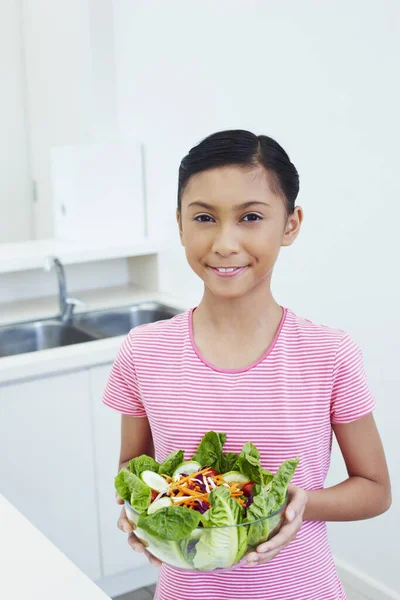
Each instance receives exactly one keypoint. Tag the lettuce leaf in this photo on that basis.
(250, 464)
(267, 499)
(130, 487)
(143, 463)
(224, 510)
(141, 495)
(267, 477)
(124, 483)
(281, 480)
(172, 523)
(219, 545)
(229, 462)
(209, 453)
(262, 506)
(242, 543)
(171, 462)
(178, 554)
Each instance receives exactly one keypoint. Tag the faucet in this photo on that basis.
(66, 303)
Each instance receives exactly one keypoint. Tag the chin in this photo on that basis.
(228, 294)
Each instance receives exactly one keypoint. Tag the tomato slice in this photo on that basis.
(211, 472)
(154, 495)
(247, 489)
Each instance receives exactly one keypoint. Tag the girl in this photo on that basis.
(242, 364)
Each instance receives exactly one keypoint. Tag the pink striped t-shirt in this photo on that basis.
(285, 403)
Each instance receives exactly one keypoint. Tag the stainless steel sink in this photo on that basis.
(119, 321)
(94, 325)
(40, 335)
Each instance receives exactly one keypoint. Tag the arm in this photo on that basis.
(136, 439)
(366, 493)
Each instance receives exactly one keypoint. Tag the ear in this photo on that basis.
(179, 221)
(293, 226)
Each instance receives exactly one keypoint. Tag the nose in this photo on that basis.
(225, 242)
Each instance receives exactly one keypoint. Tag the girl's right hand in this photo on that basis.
(124, 525)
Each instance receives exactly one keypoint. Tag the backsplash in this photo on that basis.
(23, 285)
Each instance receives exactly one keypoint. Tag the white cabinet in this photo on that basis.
(59, 451)
(46, 462)
(116, 553)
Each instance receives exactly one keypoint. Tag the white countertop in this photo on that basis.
(22, 256)
(76, 356)
(32, 568)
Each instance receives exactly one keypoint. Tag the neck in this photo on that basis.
(246, 313)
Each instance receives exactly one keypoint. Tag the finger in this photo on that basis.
(119, 500)
(259, 559)
(124, 525)
(285, 535)
(135, 544)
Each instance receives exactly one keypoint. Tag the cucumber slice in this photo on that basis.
(235, 477)
(157, 504)
(154, 481)
(186, 467)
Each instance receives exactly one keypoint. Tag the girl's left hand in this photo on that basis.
(292, 523)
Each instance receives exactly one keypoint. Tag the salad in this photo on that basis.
(209, 511)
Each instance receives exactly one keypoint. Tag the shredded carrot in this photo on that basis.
(179, 490)
(184, 501)
(193, 493)
(241, 502)
(185, 479)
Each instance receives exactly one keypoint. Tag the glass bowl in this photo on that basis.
(210, 548)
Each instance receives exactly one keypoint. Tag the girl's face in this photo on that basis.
(232, 226)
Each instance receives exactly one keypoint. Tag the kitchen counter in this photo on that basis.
(32, 568)
(76, 356)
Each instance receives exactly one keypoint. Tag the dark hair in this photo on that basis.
(243, 148)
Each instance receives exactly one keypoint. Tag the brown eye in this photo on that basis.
(252, 217)
(203, 219)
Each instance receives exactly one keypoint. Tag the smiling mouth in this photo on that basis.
(228, 271)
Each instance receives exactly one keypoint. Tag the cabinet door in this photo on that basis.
(117, 554)
(46, 462)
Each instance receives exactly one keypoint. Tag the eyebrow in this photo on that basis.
(238, 206)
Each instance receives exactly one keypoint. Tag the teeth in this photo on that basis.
(229, 270)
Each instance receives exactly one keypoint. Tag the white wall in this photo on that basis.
(15, 182)
(25, 285)
(323, 79)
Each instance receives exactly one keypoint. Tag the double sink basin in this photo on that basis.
(32, 336)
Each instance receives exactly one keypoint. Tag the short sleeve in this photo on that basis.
(351, 396)
(122, 391)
